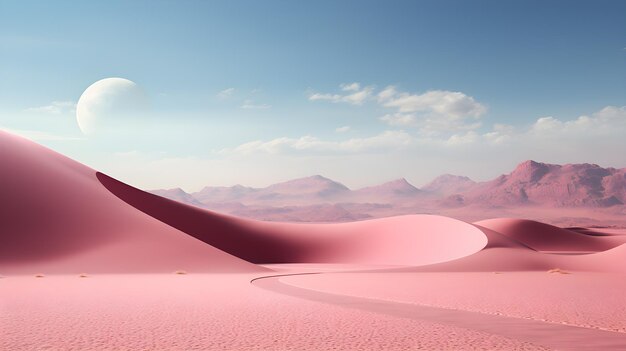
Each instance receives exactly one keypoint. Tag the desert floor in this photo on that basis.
(315, 307)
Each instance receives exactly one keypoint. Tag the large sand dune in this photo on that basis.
(512, 251)
(56, 217)
(60, 216)
(402, 240)
(545, 237)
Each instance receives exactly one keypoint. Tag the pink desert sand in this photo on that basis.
(90, 263)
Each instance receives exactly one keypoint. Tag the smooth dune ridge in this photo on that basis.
(510, 252)
(56, 217)
(545, 237)
(402, 240)
(59, 218)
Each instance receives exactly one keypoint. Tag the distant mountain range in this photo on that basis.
(530, 185)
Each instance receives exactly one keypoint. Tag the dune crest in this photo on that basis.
(56, 217)
(545, 237)
(402, 240)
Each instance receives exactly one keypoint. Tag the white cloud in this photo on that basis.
(330, 97)
(387, 140)
(609, 120)
(351, 87)
(250, 105)
(359, 97)
(386, 94)
(399, 119)
(343, 129)
(444, 125)
(442, 102)
(499, 134)
(582, 135)
(355, 95)
(462, 139)
(55, 108)
(226, 93)
(431, 125)
(435, 112)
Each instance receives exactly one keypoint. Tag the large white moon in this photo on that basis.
(108, 103)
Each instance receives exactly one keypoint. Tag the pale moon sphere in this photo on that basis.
(110, 104)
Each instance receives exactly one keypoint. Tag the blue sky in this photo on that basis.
(262, 91)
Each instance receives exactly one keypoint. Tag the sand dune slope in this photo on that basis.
(544, 237)
(403, 240)
(56, 217)
(506, 253)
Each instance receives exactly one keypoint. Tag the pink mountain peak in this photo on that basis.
(531, 171)
(315, 183)
(398, 187)
(448, 184)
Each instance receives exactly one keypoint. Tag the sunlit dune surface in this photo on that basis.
(544, 237)
(57, 218)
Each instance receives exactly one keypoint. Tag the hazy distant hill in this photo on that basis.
(530, 185)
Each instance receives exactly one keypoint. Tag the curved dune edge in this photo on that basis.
(498, 240)
(403, 240)
(56, 218)
(511, 259)
(545, 237)
(506, 254)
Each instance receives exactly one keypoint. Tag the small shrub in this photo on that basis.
(557, 271)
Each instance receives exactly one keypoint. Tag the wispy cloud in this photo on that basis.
(54, 108)
(399, 119)
(226, 93)
(309, 144)
(608, 121)
(354, 94)
(250, 105)
(605, 127)
(350, 86)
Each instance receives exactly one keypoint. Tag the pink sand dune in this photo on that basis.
(544, 237)
(402, 240)
(56, 217)
(505, 254)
